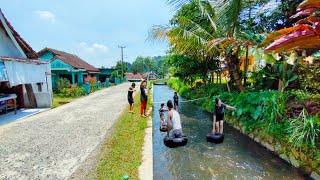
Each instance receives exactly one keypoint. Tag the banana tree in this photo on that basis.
(305, 35)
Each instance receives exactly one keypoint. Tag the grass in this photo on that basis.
(121, 154)
(59, 100)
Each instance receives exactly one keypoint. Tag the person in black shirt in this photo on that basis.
(176, 101)
(218, 116)
(130, 97)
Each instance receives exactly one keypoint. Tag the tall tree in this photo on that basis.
(125, 66)
(144, 64)
(222, 38)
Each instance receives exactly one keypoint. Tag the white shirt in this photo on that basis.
(176, 122)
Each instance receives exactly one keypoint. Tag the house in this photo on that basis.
(66, 65)
(22, 74)
(105, 73)
(139, 76)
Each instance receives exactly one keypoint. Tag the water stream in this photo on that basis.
(238, 157)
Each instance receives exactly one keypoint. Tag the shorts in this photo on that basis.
(130, 100)
(177, 133)
(176, 103)
(219, 118)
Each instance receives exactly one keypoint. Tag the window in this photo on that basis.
(39, 87)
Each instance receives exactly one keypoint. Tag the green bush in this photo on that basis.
(304, 130)
(75, 91)
(62, 83)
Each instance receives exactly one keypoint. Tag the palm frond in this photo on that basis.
(158, 33)
(208, 14)
(228, 12)
(177, 4)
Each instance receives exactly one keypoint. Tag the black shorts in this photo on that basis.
(176, 103)
(130, 100)
(219, 117)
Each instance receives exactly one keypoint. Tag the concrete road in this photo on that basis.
(53, 144)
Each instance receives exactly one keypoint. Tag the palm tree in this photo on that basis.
(223, 38)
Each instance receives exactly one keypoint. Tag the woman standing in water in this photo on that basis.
(143, 98)
(218, 116)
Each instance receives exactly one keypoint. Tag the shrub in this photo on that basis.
(91, 80)
(304, 130)
(74, 91)
(62, 83)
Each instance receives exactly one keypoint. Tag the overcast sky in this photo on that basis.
(91, 29)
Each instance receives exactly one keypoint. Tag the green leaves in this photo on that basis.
(304, 130)
(257, 113)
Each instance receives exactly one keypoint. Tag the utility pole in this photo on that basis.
(122, 47)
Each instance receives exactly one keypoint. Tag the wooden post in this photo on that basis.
(31, 96)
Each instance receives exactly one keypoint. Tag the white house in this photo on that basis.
(21, 72)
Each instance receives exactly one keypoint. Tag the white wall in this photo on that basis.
(44, 98)
(7, 48)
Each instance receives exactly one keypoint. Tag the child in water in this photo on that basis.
(163, 123)
(175, 101)
(162, 108)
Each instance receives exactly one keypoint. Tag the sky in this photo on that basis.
(91, 29)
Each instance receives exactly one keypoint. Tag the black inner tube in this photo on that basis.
(172, 142)
(215, 138)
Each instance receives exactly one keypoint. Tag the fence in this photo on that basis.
(88, 88)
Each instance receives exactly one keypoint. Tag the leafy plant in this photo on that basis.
(91, 80)
(304, 130)
(62, 83)
(74, 91)
(305, 35)
(115, 74)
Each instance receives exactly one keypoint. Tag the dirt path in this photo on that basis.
(53, 144)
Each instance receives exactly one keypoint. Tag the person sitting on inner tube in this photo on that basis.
(218, 116)
(162, 108)
(163, 121)
(174, 118)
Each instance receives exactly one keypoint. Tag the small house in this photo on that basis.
(69, 66)
(105, 73)
(24, 78)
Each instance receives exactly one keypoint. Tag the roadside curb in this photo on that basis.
(146, 167)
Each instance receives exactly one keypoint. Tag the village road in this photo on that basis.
(53, 144)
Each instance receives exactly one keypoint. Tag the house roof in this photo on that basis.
(134, 76)
(138, 75)
(30, 53)
(70, 59)
(4, 58)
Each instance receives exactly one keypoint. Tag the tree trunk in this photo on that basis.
(31, 96)
(233, 64)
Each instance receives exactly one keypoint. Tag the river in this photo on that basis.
(238, 157)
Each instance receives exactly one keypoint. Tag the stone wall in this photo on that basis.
(293, 156)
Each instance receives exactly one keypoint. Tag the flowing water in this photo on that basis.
(238, 157)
